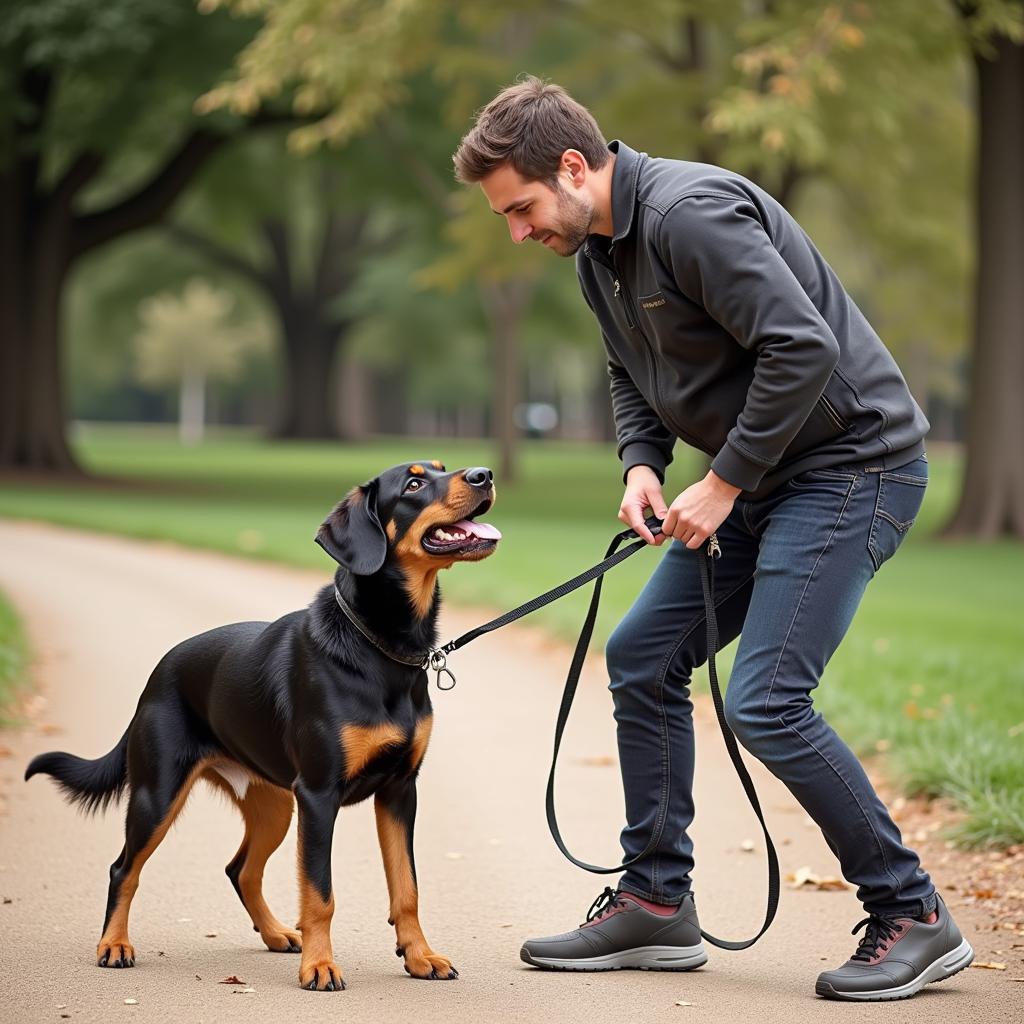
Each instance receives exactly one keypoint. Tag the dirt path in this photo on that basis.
(100, 611)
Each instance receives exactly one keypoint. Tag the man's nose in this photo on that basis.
(520, 230)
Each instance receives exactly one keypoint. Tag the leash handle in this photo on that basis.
(613, 557)
(706, 566)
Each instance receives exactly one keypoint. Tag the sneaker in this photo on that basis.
(898, 956)
(621, 930)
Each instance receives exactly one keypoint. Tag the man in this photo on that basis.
(725, 327)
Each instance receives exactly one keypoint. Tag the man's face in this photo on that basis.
(558, 217)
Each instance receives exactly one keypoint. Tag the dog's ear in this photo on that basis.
(352, 534)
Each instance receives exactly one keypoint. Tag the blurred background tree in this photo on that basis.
(185, 340)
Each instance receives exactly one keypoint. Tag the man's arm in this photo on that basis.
(643, 440)
(721, 258)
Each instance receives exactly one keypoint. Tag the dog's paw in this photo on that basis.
(115, 954)
(321, 976)
(284, 941)
(429, 966)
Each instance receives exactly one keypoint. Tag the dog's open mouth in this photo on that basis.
(463, 537)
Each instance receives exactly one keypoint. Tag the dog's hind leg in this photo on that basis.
(159, 789)
(267, 811)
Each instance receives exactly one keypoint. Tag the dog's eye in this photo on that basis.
(414, 484)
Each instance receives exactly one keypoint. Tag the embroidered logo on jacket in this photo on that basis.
(653, 301)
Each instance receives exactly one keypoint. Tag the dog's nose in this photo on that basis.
(479, 476)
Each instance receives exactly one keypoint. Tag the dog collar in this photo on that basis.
(433, 660)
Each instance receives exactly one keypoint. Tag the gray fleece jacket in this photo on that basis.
(725, 327)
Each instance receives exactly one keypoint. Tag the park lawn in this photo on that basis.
(13, 661)
(928, 673)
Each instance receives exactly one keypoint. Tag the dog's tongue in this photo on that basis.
(482, 530)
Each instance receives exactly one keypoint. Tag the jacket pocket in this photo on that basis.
(900, 494)
(823, 425)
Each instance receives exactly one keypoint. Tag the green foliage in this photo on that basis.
(120, 75)
(346, 57)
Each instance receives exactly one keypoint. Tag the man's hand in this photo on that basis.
(700, 510)
(643, 491)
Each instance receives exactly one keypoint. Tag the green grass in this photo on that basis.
(13, 660)
(929, 670)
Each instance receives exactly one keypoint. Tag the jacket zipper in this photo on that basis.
(621, 293)
(632, 321)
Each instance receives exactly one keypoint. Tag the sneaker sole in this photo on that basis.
(640, 958)
(939, 970)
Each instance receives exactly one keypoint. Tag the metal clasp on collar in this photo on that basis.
(436, 661)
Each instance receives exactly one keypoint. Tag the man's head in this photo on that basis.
(543, 164)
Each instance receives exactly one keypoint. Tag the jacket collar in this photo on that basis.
(624, 179)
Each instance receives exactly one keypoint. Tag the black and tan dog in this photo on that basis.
(319, 707)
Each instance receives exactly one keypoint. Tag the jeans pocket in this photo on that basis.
(900, 494)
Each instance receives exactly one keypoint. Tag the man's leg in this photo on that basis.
(823, 536)
(650, 657)
(811, 574)
(651, 922)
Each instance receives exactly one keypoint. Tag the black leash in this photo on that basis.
(436, 660)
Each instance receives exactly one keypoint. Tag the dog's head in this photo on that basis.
(418, 516)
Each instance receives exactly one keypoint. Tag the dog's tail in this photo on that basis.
(90, 784)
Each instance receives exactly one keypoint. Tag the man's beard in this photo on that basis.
(575, 216)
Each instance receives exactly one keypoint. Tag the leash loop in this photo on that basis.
(707, 555)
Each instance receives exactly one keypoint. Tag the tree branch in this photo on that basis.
(149, 203)
(219, 254)
(80, 172)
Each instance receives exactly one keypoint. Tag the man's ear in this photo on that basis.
(352, 534)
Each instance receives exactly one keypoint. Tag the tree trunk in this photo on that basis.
(308, 393)
(992, 499)
(192, 407)
(504, 304)
(34, 259)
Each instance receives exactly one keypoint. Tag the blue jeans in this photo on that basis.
(794, 567)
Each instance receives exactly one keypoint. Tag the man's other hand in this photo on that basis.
(699, 510)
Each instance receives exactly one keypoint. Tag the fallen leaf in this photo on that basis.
(211, 935)
(233, 980)
(991, 965)
(7, 899)
(806, 877)
(984, 894)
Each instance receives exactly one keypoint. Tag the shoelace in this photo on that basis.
(603, 904)
(879, 931)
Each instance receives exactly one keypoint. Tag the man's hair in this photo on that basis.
(530, 125)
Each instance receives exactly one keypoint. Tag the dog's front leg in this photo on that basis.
(395, 807)
(318, 809)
